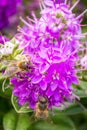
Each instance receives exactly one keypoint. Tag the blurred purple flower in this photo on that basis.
(8, 10)
(34, 5)
(3, 39)
(52, 42)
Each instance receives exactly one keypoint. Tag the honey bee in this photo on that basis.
(17, 66)
(41, 110)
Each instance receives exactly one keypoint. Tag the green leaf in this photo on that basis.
(15, 48)
(4, 107)
(14, 121)
(10, 121)
(14, 41)
(81, 93)
(24, 109)
(73, 109)
(62, 120)
(83, 126)
(57, 122)
(2, 67)
(5, 87)
(17, 52)
(1, 77)
(78, 107)
(7, 93)
(83, 85)
(4, 83)
(23, 122)
(83, 101)
(43, 126)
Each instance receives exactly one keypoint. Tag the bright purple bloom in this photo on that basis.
(52, 42)
(8, 10)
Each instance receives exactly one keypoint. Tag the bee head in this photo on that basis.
(43, 100)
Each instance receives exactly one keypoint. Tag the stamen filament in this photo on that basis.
(65, 1)
(81, 14)
(26, 23)
(74, 5)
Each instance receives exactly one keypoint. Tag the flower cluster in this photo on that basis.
(52, 42)
(8, 9)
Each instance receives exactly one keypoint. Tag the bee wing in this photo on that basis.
(11, 70)
(6, 61)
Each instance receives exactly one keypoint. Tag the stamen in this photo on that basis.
(83, 25)
(65, 1)
(84, 34)
(74, 5)
(43, 4)
(79, 37)
(31, 20)
(83, 49)
(26, 23)
(40, 6)
(22, 31)
(34, 17)
(81, 14)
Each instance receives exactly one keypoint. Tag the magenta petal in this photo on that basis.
(43, 54)
(53, 86)
(57, 59)
(49, 92)
(36, 79)
(57, 96)
(43, 85)
(43, 68)
(75, 80)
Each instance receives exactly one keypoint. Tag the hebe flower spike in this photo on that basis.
(52, 42)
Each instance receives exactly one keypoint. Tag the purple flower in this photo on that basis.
(8, 10)
(3, 39)
(52, 42)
